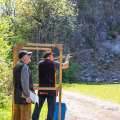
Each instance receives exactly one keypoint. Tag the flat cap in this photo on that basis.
(23, 53)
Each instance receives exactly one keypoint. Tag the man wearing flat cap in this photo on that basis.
(22, 82)
(47, 68)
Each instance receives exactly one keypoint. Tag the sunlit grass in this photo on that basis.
(6, 113)
(43, 113)
(110, 92)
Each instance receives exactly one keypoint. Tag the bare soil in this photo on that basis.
(81, 107)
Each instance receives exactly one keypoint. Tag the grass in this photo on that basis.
(110, 92)
(43, 113)
(6, 112)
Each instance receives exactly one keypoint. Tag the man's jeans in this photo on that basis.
(51, 100)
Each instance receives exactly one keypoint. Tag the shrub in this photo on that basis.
(69, 75)
(5, 72)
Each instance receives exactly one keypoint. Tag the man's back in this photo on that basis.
(46, 73)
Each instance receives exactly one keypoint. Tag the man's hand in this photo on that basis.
(68, 57)
(28, 100)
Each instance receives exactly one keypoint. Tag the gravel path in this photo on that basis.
(81, 107)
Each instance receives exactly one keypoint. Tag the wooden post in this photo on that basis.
(60, 84)
(16, 48)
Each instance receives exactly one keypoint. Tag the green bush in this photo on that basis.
(5, 71)
(3, 100)
(69, 75)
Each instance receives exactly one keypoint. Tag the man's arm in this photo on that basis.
(25, 81)
(65, 65)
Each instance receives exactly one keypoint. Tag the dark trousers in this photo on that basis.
(51, 100)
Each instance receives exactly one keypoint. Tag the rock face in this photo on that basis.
(98, 66)
(97, 40)
(101, 64)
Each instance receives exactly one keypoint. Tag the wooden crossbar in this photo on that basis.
(40, 45)
(44, 45)
(36, 48)
(36, 87)
(45, 88)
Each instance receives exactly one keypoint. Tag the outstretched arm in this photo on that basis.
(65, 65)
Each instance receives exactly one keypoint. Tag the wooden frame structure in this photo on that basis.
(42, 47)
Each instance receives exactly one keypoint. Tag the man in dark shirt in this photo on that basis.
(47, 69)
(22, 85)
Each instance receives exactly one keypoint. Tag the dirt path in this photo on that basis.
(80, 107)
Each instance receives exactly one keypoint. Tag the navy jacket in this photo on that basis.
(47, 75)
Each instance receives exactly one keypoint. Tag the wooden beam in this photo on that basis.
(36, 48)
(40, 45)
(59, 46)
(60, 83)
(44, 45)
(45, 88)
(16, 48)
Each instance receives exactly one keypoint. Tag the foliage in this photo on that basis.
(43, 15)
(5, 61)
(69, 75)
(52, 19)
(34, 71)
(5, 71)
(3, 101)
(5, 112)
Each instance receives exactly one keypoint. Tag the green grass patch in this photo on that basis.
(6, 112)
(110, 92)
(43, 113)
